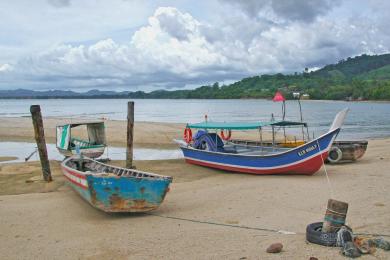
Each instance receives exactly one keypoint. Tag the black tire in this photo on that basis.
(314, 235)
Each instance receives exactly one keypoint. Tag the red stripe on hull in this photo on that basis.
(81, 176)
(308, 167)
(77, 175)
(76, 183)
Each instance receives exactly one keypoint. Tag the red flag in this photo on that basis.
(278, 97)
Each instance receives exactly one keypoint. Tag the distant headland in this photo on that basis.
(365, 77)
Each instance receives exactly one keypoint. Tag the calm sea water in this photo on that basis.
(21, 150)
(365, 119)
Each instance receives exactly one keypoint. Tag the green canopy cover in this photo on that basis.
(241, 125)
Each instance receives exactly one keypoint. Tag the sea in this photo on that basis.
(364, 120)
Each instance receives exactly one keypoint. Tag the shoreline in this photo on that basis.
(126, 98)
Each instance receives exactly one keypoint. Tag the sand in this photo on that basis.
(146, 134)
(50, 221)
(7, 158)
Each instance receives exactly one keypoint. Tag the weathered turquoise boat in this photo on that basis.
(68, 144)
(115, 189)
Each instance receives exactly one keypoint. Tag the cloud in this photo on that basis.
(169, 51)
(174, 49)
(292, 10)
(5, 67)
(176, 24)
(59, 3)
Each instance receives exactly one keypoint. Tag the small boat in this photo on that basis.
(69, 145)
(341, 151)
(115, 189)
(344, 151)
(208, 149)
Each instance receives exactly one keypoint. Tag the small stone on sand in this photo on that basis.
(275, 248)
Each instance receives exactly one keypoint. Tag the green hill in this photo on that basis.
(363, 77)
(382, 73)
(352, 67)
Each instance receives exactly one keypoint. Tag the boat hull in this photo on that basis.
(351, 150)
(117, 194)
(95, 152)
(305, 159)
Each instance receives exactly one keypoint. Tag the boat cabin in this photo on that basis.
(91, 142)
(207, 137)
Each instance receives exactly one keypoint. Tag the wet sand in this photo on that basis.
(50, 221)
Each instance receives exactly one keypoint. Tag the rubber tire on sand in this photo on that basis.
(314, 235)
(335, 151)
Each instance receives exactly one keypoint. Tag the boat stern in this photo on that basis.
(115, 194)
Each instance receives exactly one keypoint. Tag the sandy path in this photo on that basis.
(61, 225)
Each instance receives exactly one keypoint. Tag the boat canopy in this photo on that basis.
(242, 125)
(96, 133)
(289, 123)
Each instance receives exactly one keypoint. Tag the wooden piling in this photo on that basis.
(335, 215)
(40, 139)
(130, 135)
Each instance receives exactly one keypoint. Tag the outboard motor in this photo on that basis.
(208, 141)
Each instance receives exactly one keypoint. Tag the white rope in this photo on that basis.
(326, 172)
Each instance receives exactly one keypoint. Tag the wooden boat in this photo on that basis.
(115, 189)
(208, 149)
(69, 145)
(341, 151)
(344, 151)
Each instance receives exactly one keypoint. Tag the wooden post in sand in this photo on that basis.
(130, 129)
(40, 139)
(336, 213)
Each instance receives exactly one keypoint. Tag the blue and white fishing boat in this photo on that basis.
(212, 150)
(115, 189)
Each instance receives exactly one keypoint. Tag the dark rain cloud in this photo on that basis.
(59, 3)
(291, 10)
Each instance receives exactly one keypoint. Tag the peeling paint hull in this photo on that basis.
(135, 192)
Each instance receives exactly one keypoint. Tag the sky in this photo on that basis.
(136, 45)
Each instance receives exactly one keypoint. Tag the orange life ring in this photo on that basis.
(187, 135)
(226, 137)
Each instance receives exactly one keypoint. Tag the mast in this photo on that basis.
(301, 117)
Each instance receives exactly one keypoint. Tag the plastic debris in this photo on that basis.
(344, 235)
(285, 232)
(381, 243)
(350, 250)
(366, 245)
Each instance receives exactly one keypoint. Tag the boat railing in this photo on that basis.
(100, 168)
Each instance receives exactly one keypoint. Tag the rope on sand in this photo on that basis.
(284, 232)
(326, 172)
(371, 234)
(225, 225)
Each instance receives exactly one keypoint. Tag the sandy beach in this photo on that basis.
(208, 214)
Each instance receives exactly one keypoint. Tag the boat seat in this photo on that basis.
(74, 142)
